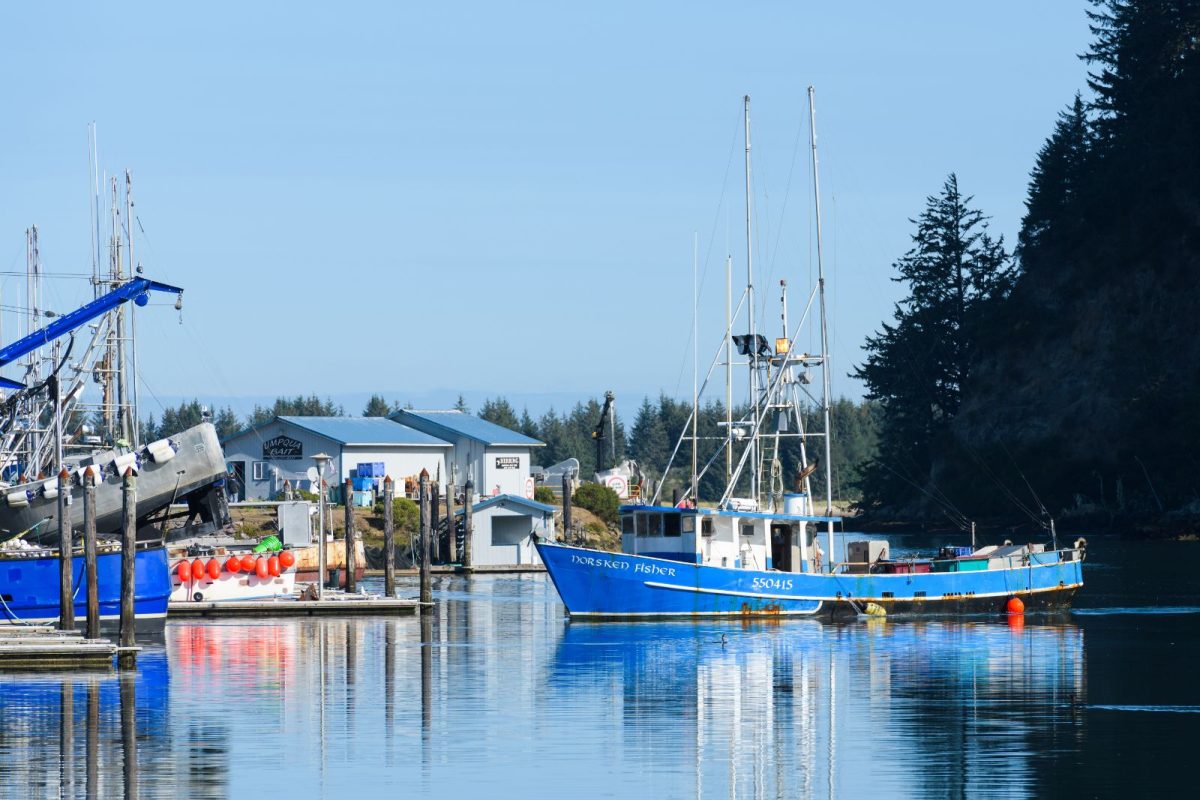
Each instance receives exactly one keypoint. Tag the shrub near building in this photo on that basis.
(600, 500)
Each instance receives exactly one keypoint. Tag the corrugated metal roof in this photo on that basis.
(456, 422)
(365, 430)
(511, 499)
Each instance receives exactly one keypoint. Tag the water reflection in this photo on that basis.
(806, 709)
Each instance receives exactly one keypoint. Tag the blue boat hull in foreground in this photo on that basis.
(29, 589)
(598, 585)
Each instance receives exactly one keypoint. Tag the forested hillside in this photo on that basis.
(1078, 386)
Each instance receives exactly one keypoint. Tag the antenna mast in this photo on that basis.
(825, 372)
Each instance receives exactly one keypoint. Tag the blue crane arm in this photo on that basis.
(132, 290)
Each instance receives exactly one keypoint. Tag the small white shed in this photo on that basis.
(503, 527)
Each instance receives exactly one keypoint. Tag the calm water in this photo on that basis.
(496, 695)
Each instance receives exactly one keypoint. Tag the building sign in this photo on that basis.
(282, 447)
(508, 462)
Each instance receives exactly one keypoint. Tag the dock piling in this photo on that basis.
(451, 528)
(66, 548)
(468, 523)
(426, 535)
(349, 537)
(435, 516)
(389, 538)
(566, 501)
(128, 556)
(89, 554)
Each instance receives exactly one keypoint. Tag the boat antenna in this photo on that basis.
(134, 419)
(825, 371)
(728, 368)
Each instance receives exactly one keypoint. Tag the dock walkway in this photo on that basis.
(336, 606)
(41, 647)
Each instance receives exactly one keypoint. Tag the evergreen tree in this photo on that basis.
(916, 368)
(528, 425)
(377, 407)
(298, 406)
(648, 439)
(1057, 180)
(500, 412)
(461, 405)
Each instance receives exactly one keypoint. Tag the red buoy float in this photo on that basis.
(213, 568)
(260, 568)
(247, 563)
(197, 570)
(1015, 606)
(286, 559)
(233, 565)
(273, 566)
(184, 570)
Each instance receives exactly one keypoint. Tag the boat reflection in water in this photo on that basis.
(81, 734)
(911, 709)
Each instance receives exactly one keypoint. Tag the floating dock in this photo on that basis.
(335, 606)
(44, 647)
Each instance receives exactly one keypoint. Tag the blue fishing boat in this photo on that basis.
(29, 587)
(756, 552)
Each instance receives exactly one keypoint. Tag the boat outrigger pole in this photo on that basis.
(136, 290)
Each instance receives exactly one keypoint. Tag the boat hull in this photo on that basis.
(198, 463)
(29, 589)
(597, 585)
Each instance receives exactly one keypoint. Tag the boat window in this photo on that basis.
(653, 524)
(626, 524)
(671, 524)
(689, 524)
(707, 527)
(747, 530)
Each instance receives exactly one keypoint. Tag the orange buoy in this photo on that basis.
(273, 566)
(247, 563)
(286, 559)
(213, 568)
(1015, 606)
(260, 568)
(184, 570)
(197, 570)
(233, 565)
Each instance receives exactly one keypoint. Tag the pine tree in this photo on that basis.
(916, 367)
(377, 407)
(461, 405)
(1053, 205)
(499, 412)
(648, 439)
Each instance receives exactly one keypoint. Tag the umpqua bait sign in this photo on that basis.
(282, 447)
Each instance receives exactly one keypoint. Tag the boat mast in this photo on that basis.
(135, 423)
(751, 346)
(825, 377)
(695, 365)
(728, 368)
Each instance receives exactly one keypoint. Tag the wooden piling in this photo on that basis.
(566, 501)
(128, 557)
(435, 516)
(451, 528)
(66, 551)
(389, 538)
(468, 522)
(89, 554)
(351, 583)
(426, 535)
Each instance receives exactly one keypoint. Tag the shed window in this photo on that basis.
(671, 524)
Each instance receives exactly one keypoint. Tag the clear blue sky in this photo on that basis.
(501, 198)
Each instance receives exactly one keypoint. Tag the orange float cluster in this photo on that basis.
(211, 568)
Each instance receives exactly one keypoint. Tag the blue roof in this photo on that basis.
(512, 499)
(364, 430)
(456, 423)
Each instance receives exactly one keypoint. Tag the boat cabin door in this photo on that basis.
(783, 549)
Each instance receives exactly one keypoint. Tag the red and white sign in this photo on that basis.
(618, 484)
(529, 485)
